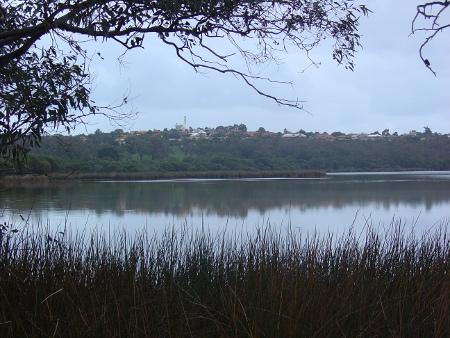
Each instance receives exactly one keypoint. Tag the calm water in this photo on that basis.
(334, 203)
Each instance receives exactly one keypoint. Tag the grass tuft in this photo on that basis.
(196, 284)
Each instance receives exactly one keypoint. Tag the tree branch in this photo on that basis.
(246, 77)
(425, 11)
(45, 87)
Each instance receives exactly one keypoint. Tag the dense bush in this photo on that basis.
(102, 153)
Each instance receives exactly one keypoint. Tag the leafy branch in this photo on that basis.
(46, 86)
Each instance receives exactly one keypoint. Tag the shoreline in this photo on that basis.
(180, 175)
(168, 175)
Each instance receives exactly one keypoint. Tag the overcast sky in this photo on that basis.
(389, 88)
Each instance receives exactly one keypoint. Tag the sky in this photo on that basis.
(390, 87)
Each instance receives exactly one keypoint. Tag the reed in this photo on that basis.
(187, 283)
(170, 175)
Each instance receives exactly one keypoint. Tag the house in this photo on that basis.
(198, 133)
(293, 135)
(326, 136)
(234, 132)
(139, 132)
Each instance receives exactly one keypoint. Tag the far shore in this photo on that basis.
(168, 175)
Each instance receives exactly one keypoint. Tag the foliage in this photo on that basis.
(182, 283)
(38, 91)
(45, 80)
(42, 164)
(114, 152)
(147, 144)
(108, 152)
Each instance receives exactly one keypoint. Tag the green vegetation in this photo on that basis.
(229, 174)
(48, 85)
(186, 284)
(234, 149)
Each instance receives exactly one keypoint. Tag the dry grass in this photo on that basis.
(195, 284)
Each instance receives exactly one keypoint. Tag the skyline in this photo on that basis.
(193, 129)
(390, 87)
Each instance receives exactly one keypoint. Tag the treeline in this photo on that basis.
(112, 152)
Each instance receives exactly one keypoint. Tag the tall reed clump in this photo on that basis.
(186, 283)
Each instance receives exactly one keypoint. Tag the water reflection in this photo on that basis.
(236, 198)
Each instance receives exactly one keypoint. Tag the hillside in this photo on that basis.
(234, 148)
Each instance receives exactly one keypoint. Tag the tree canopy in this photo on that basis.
(46, 82)
(128, 152)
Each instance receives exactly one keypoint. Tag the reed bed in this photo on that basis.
(186, 283)
(156, 175)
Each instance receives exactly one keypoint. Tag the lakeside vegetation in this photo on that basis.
(234, 149)
(198, 284)
(231, 174)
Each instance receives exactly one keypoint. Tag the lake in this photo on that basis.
(335, 203)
